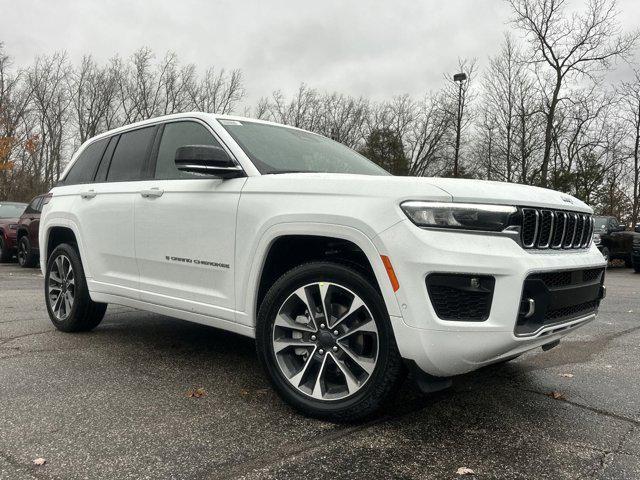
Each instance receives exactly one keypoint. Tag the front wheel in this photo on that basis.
(26, 257)
(325, 341)
(67, 296)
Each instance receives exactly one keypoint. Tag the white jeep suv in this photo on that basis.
(345, 275)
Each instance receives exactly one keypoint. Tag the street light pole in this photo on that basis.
(460, 78)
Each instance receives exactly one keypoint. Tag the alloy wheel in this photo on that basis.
(22, 253)
(325, 341)
(62, 287)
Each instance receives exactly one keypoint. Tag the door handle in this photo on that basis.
(152, 192)
(88, 194)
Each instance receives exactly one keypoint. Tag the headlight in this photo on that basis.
(13, 226)
(467, 216)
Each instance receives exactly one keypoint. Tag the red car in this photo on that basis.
(28, 225)
(9, 214)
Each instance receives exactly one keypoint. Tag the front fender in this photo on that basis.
(248, 278)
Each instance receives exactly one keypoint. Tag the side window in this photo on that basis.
(33, 206)
(85, 166)
(101, 174)
(39, 205)
(176, 135)
(130, 155)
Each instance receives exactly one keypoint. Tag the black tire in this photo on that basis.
(5, 255)
(628, 263)
(84, 314)
(606, 254)
(26, 256)
(389, 371)
(636, 266)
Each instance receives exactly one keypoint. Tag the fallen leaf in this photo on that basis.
(556, 395)
(567, 375)
(262, 391)
(196, 393)
(39, 461)
(465, 471)
(244, 392)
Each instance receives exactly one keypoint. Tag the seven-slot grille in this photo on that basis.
(542, 228)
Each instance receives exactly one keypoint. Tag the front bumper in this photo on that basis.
(445, 347)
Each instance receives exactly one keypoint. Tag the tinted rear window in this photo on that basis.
(130, 155)
(84, 168)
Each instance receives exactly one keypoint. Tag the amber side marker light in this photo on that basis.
(390, 272)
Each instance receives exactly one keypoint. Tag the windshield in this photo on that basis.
(275, 149)
(600, 224)
(11, 210)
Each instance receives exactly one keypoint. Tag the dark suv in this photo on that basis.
(9, 214)
(28, 249)
(617, 243)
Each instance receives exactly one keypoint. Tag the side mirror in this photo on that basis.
(206, 160)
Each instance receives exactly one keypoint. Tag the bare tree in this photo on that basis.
(428, 141)
(580, 44)
(629, 93)
(93, 95)
(15, 98)
(48, 80)
(504, 73)
(344, 118)
(217, 92)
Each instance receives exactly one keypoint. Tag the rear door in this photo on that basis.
(105, 210)
(34, 225)
(30, 220)
(185, 229)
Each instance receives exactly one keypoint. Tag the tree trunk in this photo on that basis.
(548, 133)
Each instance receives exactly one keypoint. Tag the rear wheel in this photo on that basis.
(26, 257)
(67, 296)
(325, 340)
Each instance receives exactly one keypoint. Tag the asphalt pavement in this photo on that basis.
(124, 402)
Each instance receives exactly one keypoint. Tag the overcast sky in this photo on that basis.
(374, 48)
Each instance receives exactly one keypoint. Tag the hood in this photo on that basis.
(416, 188)
(478, 191)
(7, 221)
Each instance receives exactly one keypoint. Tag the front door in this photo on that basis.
(185, 230)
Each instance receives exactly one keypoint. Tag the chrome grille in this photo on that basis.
(555, 229)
